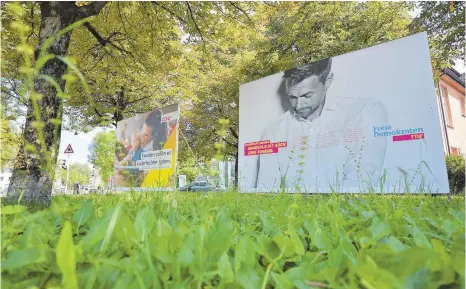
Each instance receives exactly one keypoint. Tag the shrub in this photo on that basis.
(456, 173)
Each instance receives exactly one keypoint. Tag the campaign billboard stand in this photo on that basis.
(146, 151)
(365, 121)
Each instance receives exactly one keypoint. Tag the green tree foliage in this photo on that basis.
(13, 81)
(138, 57)
(200, 123)
(102, 153)
(456, 175)
(304, 32)
(444, 22)
(9, 144)
(126, 55)
(187, 166)
(78, 173)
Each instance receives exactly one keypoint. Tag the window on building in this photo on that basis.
(455, 151)
(446, 106)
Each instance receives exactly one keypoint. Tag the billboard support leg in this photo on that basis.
(192, 152)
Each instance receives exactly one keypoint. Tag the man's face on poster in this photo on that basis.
(146, 135)
(307, 96)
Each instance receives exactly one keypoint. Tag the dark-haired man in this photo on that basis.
(329, 143)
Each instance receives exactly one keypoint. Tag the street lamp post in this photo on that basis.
(67, 172)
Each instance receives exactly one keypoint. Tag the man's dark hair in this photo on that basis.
(320, 69)
(154, 121)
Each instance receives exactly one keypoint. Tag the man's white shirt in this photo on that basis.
(337, 149)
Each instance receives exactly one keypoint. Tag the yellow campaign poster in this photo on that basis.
(146, 150)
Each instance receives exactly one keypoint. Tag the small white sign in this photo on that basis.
(170, 116)
(181, 181)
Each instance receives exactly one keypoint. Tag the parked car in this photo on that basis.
(202, 186)
(93, 189)
(84, 190)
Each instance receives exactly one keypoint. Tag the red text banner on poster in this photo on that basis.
(263, 147)
(404, 137)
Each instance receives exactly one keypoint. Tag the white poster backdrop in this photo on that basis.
(392, 86)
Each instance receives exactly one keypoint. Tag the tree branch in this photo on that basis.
(134, 111)
(226, 15)
(91, 9)
(242, 11)
(104, 41)
(94, 33)
(98, 61)
(14, 95)
(230, 154)
(191, 14)
(155, 3)
(139, 99)
(98, 113)
(270, 4)
(32, 23)
(233, 132)
(230, 144)
(102, 101)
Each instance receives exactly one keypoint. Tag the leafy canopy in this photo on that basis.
(102, 153)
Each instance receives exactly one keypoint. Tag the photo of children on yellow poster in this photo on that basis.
(146, 150)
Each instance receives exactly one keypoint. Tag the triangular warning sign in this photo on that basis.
(69, 150)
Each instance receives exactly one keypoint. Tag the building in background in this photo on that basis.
(224, 173)
(95, 178)
(452, 107)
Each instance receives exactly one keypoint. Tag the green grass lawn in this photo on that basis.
(230, 240)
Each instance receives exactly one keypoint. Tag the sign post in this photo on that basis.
(68, 151)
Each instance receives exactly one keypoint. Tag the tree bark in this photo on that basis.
(30, 177)
(235, 135)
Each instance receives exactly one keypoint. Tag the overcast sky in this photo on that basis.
(459, 66)
(80, 144)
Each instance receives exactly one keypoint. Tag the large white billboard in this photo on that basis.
(365, 121)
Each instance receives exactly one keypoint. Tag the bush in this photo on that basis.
(456, 173)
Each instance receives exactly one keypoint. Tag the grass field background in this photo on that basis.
(231, 240)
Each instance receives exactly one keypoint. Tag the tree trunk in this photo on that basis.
(30, 177)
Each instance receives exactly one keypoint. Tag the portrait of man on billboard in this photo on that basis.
(327, 140)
